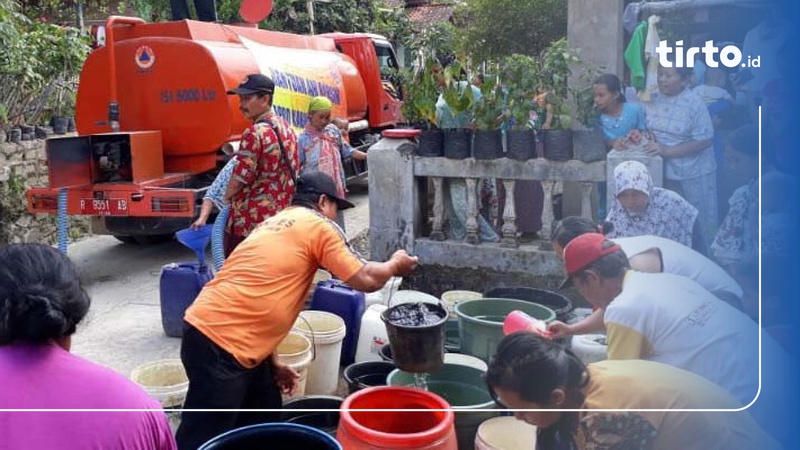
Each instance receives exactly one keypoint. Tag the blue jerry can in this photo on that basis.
(179, 285)
(338, 298)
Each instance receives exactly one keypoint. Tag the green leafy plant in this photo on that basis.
(520, 75)
(421, 93)
(490, 109)
(586, 113)
(458, 93)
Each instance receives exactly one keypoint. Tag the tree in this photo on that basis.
(492, 29)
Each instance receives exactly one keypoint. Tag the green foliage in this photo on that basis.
(39, 65)
(492, 29)
(520, 78)
(422, 92)
(588, 116)
(149, 10)
(457, 92)
(489, 110)
(438, 40)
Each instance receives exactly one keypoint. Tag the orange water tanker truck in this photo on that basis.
(153, 116)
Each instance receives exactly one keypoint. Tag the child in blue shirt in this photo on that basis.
(617, 117)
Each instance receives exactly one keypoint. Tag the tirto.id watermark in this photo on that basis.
(729, 56)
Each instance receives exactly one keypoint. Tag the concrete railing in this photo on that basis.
(401, 217)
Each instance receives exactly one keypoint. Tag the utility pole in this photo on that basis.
(310, 7)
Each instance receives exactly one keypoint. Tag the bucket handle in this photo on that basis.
(313, 342)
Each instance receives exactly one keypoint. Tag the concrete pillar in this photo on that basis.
(655, 164)
(394, 216)
(595, 27)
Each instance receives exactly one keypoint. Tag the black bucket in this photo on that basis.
(558, 145)
(521, 144)
(431, 143)
(416, 348)
(457, 143)
(273, 435)
(488, 144)
(366, 374)
(589, 145)
(553, 300)
(297, 411)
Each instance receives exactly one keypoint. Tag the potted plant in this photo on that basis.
(552, 100)
(419, 108)
(520, 78)
(460, 97)
(588, 143)
(489, 115)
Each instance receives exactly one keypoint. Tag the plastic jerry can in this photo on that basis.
(179, 285)
(373, 335)
(338, 298)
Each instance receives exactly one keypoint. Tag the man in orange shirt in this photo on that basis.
(241, 316)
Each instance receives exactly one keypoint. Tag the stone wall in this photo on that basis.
(24, 165)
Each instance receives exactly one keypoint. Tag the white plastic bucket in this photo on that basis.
(590, 347)
(328, 333)
(451, 298)
(295, 351)
(465, 360)
(505, 433)
(164, 380)
(411, 296)
(372, 335)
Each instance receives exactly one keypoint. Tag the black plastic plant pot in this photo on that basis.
(457, 143)
(488, 144)
(589, 145)
(431, 143)
(521, 144)
(557, 145)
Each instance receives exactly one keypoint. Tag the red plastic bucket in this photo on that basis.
(380, 430)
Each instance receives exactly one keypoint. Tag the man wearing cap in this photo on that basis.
(664, 317)
(262, 182)
(673, 320)
(322, 147)
(237, 321)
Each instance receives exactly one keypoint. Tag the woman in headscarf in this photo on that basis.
(322, 147)
(642, 209)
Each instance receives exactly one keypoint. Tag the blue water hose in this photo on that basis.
(62, 222)
(217, 236)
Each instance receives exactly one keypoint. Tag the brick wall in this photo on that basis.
(24, 165)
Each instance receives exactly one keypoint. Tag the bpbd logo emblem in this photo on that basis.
(144, 57)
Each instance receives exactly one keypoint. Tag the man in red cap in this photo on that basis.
(664, 317)
(263, 181)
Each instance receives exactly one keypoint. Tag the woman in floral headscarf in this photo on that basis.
(322, 147)
(642, 209)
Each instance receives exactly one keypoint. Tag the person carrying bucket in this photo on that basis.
(235, 324)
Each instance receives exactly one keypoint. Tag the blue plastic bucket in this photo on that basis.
(197, 240)
(273, 435)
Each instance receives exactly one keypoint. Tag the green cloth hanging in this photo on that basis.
(634, 56)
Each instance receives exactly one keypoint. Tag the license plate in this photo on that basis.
(104, 207)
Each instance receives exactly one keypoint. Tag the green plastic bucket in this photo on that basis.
(480, 322)
(463, 388)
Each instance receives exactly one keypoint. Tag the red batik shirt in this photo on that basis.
(268, 185)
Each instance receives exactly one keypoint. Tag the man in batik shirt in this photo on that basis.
(263, 181)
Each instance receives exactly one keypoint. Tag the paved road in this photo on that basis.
(123, 327)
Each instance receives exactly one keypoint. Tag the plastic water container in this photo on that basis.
(451, 298)
(179, 285)
(411, 296)
(326, 332)
(338, 298)
(197, 240)
(505, 433)
(373, 335)
(166, 381)
(273, 435)
(432, 428)
(296, 352)
(590, 348)
(319, 275)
